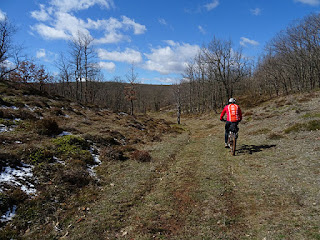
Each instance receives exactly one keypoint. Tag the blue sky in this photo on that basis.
(160, 37)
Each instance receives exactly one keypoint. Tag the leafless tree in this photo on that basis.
(177, 97)
(10, 54)
(130, 90)
(227, 65)
(83, 62)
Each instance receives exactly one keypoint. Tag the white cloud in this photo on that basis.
(201, 29)
(41, 53)
(212, 5)
(70, 24)
(76, 5)
(129, 55)
(309, 2)
(162, 21)
(256, 11)
(41, 15)
(65, 25)
(111, 37)
(45, 55)
(137, 28)
(167, 80)
(244, 41)
(50, 32)
(171, 59)
(7, 64)
(109, 66)
(2, 15)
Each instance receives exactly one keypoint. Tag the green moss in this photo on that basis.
(7, 122)
(41, 155)
(74, 147)
(311, 115)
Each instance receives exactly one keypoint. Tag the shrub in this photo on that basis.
(72, 140)
(313, 125)
(11, 197)
(4, 103)
(275, 136)
(309, 126)
(24, 114)
(102, 140)
(76, 176)
(141, 156)
(47, 126)
(40, 155)
(112, 154)
(260, 131)
(57, 112)
(311, 115)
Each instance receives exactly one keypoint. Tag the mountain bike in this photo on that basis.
(232, 137)
(232, 141)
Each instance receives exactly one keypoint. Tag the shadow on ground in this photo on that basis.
(249, 149)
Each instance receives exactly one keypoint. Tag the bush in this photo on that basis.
(76, 176)
(57, 112)
(11, 197)
(72, 140)
(275, 136)
(24, 114)
(141, 156)
(47, 127)
(102, 140)
(313, 125)
(112, 154)
(40, 155)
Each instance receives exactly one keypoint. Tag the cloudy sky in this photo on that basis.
(159, 37)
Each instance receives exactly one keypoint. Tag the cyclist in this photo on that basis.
(234, 116)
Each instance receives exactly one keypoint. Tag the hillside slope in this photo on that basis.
(54, 157)
(189, 187)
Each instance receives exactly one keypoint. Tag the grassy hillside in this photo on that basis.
(111, 176)
(57, 155)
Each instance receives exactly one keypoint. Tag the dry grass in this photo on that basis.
(60, 164)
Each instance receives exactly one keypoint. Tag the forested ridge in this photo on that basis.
(289, 64)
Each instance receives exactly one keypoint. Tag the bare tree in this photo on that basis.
(8, 51)
(292, 59)
(177, 97)
(65, 74)
(227, 65)
(84, 65)
(130, 90)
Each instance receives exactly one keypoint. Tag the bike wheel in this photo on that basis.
(234, 143)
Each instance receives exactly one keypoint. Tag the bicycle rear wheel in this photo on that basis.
(233, 143)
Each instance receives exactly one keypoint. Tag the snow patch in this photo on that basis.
(9, 214)
(64, 133)
(96, 160)
(19, 177)
(11, 107)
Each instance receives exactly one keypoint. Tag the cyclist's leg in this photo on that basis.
(237, 129)
(226, 132)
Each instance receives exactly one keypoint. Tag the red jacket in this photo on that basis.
(233, 113)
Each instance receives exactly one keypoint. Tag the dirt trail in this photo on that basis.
(195, 189)
(209, 194)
